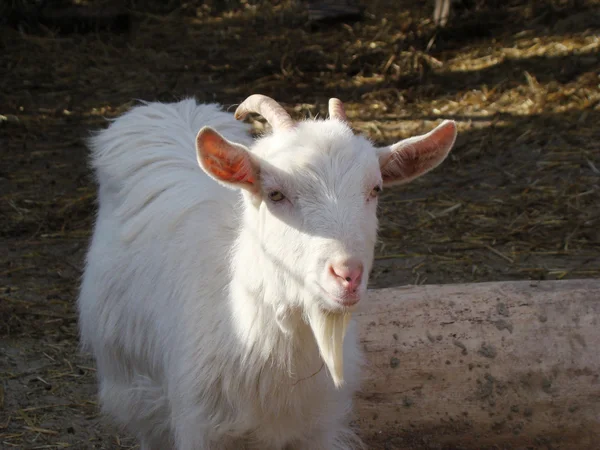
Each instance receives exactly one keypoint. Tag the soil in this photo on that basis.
(517, 199)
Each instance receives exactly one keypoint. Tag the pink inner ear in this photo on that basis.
(414, 157)
(224, 161)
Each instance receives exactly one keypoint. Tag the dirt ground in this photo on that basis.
(517, 199)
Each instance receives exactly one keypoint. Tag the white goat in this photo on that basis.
(211, 308)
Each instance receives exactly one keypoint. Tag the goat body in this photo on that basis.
(206, 297)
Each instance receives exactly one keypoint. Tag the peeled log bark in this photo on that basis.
(508, 365)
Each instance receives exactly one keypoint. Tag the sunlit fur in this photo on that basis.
(194, 300)
(329, 330)
(198, 297)
(326, 174)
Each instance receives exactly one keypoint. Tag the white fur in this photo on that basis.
(196, 298)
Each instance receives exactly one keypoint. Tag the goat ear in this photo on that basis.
(409, 159)
(225, 161)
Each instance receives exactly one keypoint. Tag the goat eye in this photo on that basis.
(376, 190)
(276, 196)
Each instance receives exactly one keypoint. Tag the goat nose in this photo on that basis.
(347, 273)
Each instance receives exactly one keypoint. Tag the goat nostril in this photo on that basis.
(348, 275)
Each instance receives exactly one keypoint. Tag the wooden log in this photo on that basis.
(509, 365)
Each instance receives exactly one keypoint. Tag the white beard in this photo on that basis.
(329, 330)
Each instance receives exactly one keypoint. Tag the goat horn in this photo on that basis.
(336, 110)
(272, 111)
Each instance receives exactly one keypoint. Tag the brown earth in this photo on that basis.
(517, 199)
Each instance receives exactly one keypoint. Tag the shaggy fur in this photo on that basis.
(201, 300)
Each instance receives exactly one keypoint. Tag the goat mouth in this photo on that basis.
(347, 301)
(344, 303)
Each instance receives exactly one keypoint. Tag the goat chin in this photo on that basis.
(329, 329)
